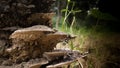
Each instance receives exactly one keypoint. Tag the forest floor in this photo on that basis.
(102, 44)
(104, 50)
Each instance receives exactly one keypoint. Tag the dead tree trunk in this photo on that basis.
(15, 14)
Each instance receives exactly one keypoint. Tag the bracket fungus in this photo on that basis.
(33, 41)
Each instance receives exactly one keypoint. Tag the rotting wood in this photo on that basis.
(4, 38)
(50, 56)
(66, 61)
(62, 64)
(25, 13)
(38, 65)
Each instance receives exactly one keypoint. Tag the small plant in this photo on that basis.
(68, 12)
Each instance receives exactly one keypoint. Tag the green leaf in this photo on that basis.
(75, 11)
(64, 10)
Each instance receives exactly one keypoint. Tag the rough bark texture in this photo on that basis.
(4, 38)
(20, 12)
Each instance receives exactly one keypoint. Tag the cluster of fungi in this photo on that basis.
(26, 32)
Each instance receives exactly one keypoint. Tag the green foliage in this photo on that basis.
(101, 16)
(84, 35)
(68, 12)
